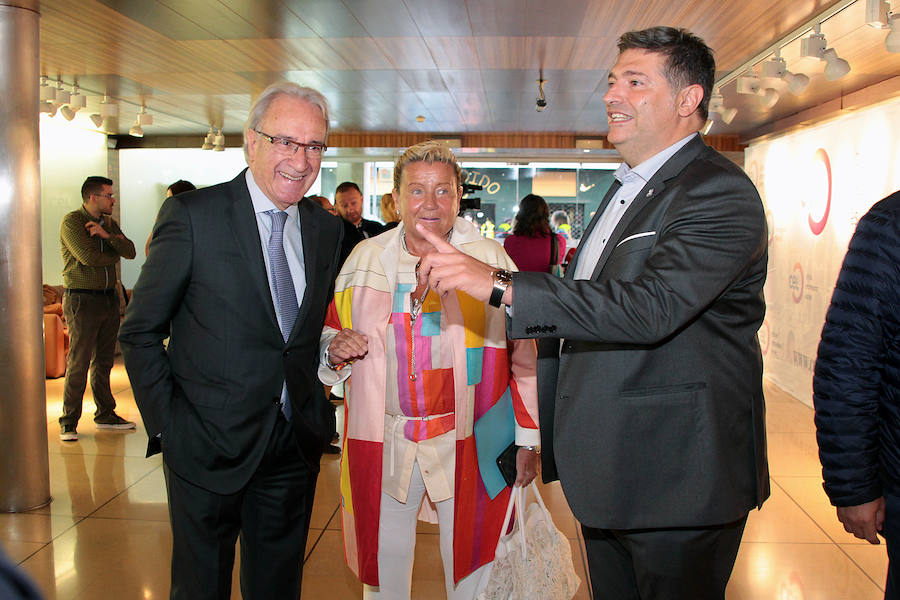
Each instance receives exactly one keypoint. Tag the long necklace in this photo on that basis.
(415, 308)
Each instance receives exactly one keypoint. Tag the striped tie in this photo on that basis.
(285, 296)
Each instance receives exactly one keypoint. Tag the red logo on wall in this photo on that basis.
(817, 226)
(796, 283)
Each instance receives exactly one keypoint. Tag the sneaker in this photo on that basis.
(117, 422)
(67, 433)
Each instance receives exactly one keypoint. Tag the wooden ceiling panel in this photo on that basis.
(465, 65)
(269, 55)
(440, 18)
(360, 53)
(271, 18)
(327, 18)
(553, 19)
(161, 18)
(316, 53)
(385, 18)
(453, 52)
(497, 17)
(424, 81)
(406, 53)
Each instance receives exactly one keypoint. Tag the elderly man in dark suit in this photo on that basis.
(652, 413)
(239, 277)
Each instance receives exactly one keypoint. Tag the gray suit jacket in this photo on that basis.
(652, 411)
(214, 393)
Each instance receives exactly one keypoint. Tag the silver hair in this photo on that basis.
(276, 90)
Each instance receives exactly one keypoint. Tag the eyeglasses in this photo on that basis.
(110, 196)
(290, 146)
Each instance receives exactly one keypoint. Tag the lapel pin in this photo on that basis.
(649, 192)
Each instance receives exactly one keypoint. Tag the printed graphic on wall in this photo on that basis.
(816, 184)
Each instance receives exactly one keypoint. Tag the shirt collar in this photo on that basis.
(261, 202)
(649, 167)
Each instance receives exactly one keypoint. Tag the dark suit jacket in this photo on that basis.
(352, 235)
(214, 393)
(652, 412)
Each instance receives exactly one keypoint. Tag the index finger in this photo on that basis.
(440, 244)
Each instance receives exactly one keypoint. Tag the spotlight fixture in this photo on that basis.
(136, 129)
(751, 85)
(835, 66)
(48, 94)
(717, 105)
(78, 100)
(108, 109)
(776, 68)
(49, 108)
(208, 140)
(219, 142)
(97, 120)
(67, 112)
(541, 101)
(143, 117)
(877, 14)
(892, 41)
(62, 96)
(815, 46)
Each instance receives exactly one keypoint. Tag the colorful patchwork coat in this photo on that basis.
(484, 365)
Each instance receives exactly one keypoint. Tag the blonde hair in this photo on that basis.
(389, 209)
(429, 152)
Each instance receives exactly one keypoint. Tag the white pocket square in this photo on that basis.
(635, 236)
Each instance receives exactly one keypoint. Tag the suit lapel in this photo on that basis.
(246, 238)
(651, 191)
(570, 272)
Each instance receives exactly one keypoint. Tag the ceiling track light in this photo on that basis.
(62, 96)
(67, 112)
(97, 120)
(108, 109)
(541, 101)
(78, 100)
(48, 94)
(752, 85)
(717, 106)
(776, 68)
(877, 14)
(143, 117)
(208, 140)
(136, 129)
(219, 141)
(815, 46)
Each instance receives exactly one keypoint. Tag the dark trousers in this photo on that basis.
(891, 531)
(662, 564)
(271, 514)
(93, 323)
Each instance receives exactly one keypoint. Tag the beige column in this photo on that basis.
(24, 463)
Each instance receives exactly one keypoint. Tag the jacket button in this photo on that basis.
(287, 353)
(276, 400)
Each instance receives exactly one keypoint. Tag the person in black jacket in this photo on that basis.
(856, 387)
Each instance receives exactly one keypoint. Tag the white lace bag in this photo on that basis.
(534, 561)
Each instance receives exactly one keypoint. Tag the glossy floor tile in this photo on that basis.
(106, 533)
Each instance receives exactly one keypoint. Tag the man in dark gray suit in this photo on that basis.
(238, 277)
(652, 412)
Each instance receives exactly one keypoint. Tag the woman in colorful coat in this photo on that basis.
(425, 371)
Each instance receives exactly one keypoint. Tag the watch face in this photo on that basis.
(503, 276)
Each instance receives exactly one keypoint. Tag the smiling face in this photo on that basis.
(645, 113)
(429, 194)
(282, 176)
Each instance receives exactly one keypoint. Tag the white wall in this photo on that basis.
(816, 184)
(68, 156)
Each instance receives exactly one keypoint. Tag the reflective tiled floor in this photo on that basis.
(106, 533)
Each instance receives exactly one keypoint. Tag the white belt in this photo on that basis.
(398, 419)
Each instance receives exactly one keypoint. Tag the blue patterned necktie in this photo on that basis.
(285, 296)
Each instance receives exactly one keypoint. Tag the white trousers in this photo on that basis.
(397, 545)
